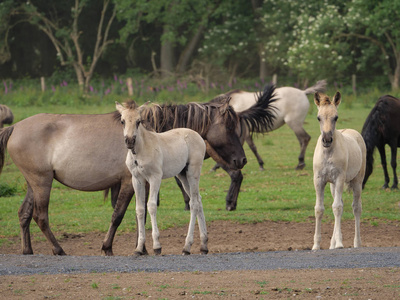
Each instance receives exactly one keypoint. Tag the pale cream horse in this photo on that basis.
(339, 158)
(155, 156)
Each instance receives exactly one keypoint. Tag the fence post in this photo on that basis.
(43, 84)
(274, 79)
(130, 86)
(353, 83)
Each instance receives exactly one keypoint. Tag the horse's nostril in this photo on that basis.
(244, 161)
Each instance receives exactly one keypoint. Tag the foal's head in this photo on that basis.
(130, 119)
(327, 116)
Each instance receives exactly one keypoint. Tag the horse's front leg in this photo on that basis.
(155, 183)
(139, 184)
(319, 209)
(337, 208)
(234, 188)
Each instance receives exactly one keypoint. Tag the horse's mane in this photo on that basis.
(195, 116)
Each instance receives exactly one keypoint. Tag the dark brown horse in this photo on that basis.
(6, 115)
(87, 153)
(382, 127)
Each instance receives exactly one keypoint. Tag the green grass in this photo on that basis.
(280, 193)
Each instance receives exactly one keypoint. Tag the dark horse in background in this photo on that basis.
(88, 152)
(382, 127)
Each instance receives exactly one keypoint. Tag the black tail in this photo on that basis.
(260, 117)
(4, 136)
(372, 133)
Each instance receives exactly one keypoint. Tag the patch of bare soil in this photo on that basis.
(382, 283)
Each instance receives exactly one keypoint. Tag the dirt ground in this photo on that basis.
(224, 237)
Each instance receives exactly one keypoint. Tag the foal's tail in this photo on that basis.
(260, 117)
(319, 87)
(5, 134)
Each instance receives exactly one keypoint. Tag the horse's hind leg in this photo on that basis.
(125, 195)
(253, 148)
(185, 195)
(393, 163)
(25, 213)
(304, 138)
(381, 149)
(357, 209)
(41, 198)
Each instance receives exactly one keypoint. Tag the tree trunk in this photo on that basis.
(166, 55)
(188, 51)
(394, 80)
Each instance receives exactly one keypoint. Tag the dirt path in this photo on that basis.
(225, 237)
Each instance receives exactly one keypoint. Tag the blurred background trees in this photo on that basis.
(203, 41)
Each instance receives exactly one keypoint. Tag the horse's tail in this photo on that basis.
(260, 117)
(6, 115)
(372, 132)
(5, 134)
(114, 194)
(319, 87)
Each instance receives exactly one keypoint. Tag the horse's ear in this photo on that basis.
(337, 98)
(317, 99)
(119, 106)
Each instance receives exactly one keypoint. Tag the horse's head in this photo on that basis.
(327, 116)
(224, 134)
(130, 119)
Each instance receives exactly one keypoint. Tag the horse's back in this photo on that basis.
(84, 152)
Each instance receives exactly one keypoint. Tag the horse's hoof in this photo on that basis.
(262, 169)
(157, 251)
(300, 166)
(230, 208)
(139, 253)
(59, 252)
(108, 253)
(184, 252)
(203, 251)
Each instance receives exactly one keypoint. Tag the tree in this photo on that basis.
(65, 32)
(181, 24)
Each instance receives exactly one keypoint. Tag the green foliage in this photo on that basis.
(6, 190)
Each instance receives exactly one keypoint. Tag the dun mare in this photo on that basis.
(339, 158)
(155, 156)
(382, 127)
(87, 153)
(291, 107)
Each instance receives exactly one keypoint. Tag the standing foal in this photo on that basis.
(155, 156)
(339, 158)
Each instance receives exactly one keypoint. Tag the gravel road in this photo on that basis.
(323, 259)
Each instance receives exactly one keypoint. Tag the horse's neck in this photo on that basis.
(144, 137)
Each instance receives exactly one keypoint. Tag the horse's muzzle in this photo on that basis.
(240, 163)
(130, 142)
(327, 140)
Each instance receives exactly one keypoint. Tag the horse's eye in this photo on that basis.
(123, 122)
(137, 123)
(319, 119)
(336, 118)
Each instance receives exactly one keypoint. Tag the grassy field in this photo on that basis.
(279, 193)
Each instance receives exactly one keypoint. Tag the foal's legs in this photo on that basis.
(319, 186)
(155, 183)
(337, 208)
(357, 208)
(139, 184)
(191, 184)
